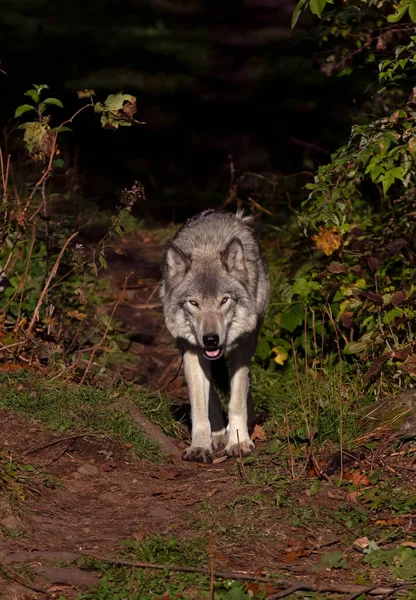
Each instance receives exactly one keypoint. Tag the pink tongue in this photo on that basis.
(212, 353)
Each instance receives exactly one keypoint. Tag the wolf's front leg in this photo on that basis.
(240, 408)
(198, 378)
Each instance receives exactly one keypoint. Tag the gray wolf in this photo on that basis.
(214, 292)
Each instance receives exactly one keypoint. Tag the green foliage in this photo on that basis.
(401, 9)
(345, 290)
(121, 581)
(58, 291)
(117, 111)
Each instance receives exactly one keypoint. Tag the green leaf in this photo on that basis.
(61, 129)
(412, 10)
(379, 558)
(102, 261)
(118, 110)
(292, 318)
(332, 560)
(263, 350)
(53, 101)
(296, 13)
(317, 6)
(355, 347)
(398, 14)
(32, 94)
(22, 109)
(40, 87)
(58, 162)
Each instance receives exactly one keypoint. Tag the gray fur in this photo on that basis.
(215, 285)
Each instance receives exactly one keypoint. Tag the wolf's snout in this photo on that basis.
(211, 350)
(211, 341)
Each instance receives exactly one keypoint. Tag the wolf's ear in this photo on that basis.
(178, 264)
(233, 257)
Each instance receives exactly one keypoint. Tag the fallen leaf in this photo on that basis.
(296, 549)
(362, 542)
(258, 433)
(10, 367)
(220, 459)
(409, 365)
(108, 467)
(164, 475)
(356, 477)
(337, 267)
(353, 497)
(408, 544)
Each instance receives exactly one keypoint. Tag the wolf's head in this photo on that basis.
(206, 297)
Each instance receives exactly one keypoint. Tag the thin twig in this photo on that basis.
(243, 469)
(289, 445)
(53, 442)
(211, 566)
(11, 574)
(341, 412)
(24, 278)
(48, 281)
(101, 342)
(275, 579)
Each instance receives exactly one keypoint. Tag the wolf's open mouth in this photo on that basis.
(212, 354)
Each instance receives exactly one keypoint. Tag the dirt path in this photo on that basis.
(93, 493)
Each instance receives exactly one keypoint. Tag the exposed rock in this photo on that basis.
(395, 413)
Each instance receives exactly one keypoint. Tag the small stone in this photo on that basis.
(11, 522)
(88, 469)
(160, 513)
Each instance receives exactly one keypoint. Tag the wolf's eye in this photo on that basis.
(224, 300)
(193, 302)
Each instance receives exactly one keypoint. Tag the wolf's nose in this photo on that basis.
(211, 341)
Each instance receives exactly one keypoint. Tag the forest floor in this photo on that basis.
(75, 506)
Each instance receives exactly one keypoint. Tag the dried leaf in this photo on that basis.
(362, 543)
(398, 298)
(258, 434)
(356, 477)
(373, 297)
(337, 267)
(164, 475)
(347, 319)
(376, 366)
(10, 368)
(328, 240)
(75, 314)
(373, 262)
(395, 246)
(409, 365)
(402, 353)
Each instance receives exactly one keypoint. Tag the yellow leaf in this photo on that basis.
(328, 240)
(281, 355)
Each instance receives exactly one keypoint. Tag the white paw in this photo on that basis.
(197, 454)
(243, 448)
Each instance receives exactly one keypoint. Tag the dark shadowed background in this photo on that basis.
(221, 85)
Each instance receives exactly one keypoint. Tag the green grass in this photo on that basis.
(64, 407)
(120, 582)
(280, 395)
